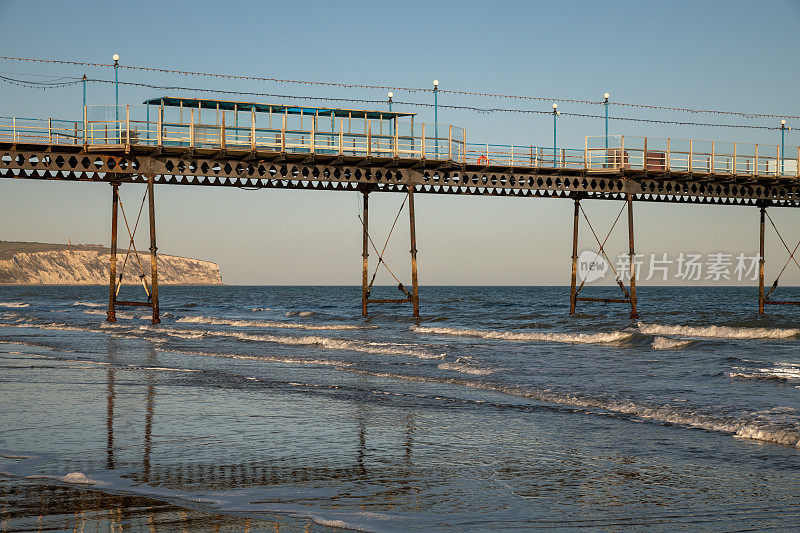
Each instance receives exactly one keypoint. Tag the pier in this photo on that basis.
(217, 143)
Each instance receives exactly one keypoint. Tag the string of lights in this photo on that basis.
(395, 88)
(429, 105)
(58, 84)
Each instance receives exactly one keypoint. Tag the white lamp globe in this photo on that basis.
(391, 95)
(555, 106)
(435, 83)
(606, 95)
(116, 57)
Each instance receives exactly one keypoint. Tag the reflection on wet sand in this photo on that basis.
(29, 506)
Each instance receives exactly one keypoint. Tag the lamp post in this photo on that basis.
(606, 95)
(391, 124)
(116, 94)
(556, 112)
(436, 114)
(84, 90)
(783, 133)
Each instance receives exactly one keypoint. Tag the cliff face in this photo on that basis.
(58, 264)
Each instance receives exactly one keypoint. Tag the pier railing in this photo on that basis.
(110, 126)
(622, 152)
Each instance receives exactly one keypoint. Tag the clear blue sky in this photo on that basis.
(735, 55)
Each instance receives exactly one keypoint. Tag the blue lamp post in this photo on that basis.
(606, 95)
(391, 123)
(436, 114)
(84, 90)
(116, 94)
(556, 112)
(783, 133)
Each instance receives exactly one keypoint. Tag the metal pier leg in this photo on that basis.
(112, 289)
(573, 296)
(761, 263)
(365, 255)
(153, 252)
(414, 281)
(634, 314)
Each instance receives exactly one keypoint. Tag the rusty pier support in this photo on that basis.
(115, 277)
(414, 281)
(573, 294)
(112, 289)
(365, 256)
(153, 251)
(632, 253)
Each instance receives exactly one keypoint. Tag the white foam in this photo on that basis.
(327, 343)
(666, 414)
(214, 321)
(665, 343)
(718, 332)
(256, 309)
(14, 304)
(89, 304)
(578, 338)
(299, 313)
(465, 366)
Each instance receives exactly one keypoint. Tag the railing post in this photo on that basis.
(713, 154)
(85, 126)
(755, 162)
(778, 162)
(450, 144)
(422, 145)
(14, 129)
(396, 141)
(644, 156)
(160, 127)
(734, 159)
(669, 154)
(585, 153)
(283, 135)
(191, 128)
(253, 129)
(464, 146)
(341, 136)
(49, 131)
(797, 164)
(128, 125)
(369, 138)
(563, 158)
(622, 151)
(511, 156)
(691, 152)
(313, 131)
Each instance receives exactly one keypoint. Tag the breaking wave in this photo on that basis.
(88, 304)
(576, 338)
(263, 323)
(718, 332)
(466, 366)
(299, 313)
(665, 343)
(327, 343)
(14, 304)
(665, 414)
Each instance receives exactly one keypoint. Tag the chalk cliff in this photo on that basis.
(62, 264)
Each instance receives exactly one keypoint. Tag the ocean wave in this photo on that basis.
(257, 309)
(780, 372)
(718, 332)
(213, 321)
(574, 338)
(299, 313)
(327, 343)
(665, 343)
(268, 358)
(665, 414)
(14, 304)
(89, 304)
(466, 366)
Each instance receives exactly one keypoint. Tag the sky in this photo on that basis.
(731, 55)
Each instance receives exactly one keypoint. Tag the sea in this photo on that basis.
(282, 408)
